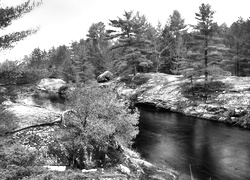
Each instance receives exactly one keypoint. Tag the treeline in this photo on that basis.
(131, 44)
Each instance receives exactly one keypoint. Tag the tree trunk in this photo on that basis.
(192, 86)
(206, 60)
(134, 69)
(157, 64)
(237, 62)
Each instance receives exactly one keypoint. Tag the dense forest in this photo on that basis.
(127, 46)
(130, 44)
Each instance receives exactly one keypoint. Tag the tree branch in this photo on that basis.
(54, 123)
(58, 122)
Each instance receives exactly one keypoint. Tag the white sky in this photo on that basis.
(64, 21)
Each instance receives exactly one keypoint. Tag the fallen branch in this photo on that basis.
(61, 121)
(58, 122)
(107, 176)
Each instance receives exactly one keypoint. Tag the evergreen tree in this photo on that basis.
(159, 47)
(97, 47)
(205, 20)
(172, 35)
(238, 36)
(206, 48)
(177, 25)
(37, 58)
(132, 42)
(84, 70)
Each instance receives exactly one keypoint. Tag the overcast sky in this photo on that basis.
(64, 21)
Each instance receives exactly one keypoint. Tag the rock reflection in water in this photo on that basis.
(212, 149)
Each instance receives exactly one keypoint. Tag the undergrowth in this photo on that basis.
(137, 80)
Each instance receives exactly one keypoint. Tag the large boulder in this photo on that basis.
(51, 88)
(105, 77)
(51, 85)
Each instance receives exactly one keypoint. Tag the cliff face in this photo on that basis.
(227, 101)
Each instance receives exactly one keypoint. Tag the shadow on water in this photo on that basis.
(213, 150)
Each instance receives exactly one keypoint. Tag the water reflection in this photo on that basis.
(212, 149)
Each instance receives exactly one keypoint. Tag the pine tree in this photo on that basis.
(238, 39)
(132, 42)
(83, 69)
(159, 54)
(172, 35)
(206, 48)
(97, 47)
(37, 58)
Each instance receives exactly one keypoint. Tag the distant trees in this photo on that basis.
(238, 40)
(37, 58)
(132, 45)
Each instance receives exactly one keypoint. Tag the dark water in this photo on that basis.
(213, 150)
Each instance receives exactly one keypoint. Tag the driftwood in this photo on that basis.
(33, 126)
(59, 121)
(107, 176)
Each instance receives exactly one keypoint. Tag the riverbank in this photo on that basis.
(36, 115)
(226, 100)
(213, 150)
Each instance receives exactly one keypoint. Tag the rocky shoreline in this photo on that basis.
(33, 109)
(228, 103)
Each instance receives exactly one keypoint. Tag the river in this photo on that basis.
(212, 150)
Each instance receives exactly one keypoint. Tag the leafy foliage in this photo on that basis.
(7, 120)
(98, 123)
(17, 162)
(137, 80)
(199, 91)
(16, 73)
(9, 72)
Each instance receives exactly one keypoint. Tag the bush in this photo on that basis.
(14, 172)
(136, 80)
(202, 90)
(7, 120)
(16, 155)
(17, 162)
(99, 121)
(141, 79)
(9, 72)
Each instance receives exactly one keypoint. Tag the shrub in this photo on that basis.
(7, 120)
(14, 72)
(136, 80)
(98, 123)
(17, 162)
(201, 90)
(140, 79)
(16, 155)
